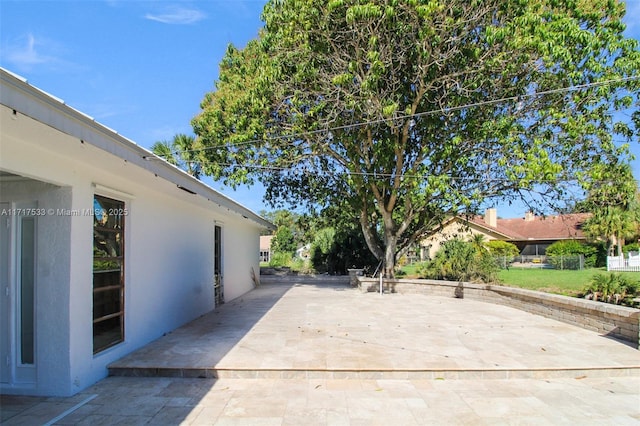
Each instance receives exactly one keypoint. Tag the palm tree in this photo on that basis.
(613, 224)
(164, 149)
(185, 145)
(180, 152)
(478, 240)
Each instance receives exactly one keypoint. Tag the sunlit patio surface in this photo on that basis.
(332, 331)
(310, 352)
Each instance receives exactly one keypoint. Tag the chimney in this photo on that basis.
(491, 217)
(529, 216)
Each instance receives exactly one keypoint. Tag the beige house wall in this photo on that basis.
(457, 228)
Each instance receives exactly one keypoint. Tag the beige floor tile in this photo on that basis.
(353, 352)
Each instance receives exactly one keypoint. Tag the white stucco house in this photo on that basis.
(104, 247)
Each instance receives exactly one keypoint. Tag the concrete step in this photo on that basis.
(380, 374)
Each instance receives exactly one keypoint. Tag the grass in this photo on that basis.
(568, 283)
(409, 271)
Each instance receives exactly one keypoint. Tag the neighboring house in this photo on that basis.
(265, 248)
(531, 234)
(104, 247)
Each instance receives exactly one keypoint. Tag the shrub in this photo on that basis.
(612, 288)
(600, 258)
(301, 266)
(280, 259)
(502, 248)
(283, 241)
(460, 261)
(566, 254)
(333, 251)
(567, 261)
(502, 251)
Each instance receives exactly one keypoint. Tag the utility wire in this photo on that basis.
(309, 171)
(420, 114)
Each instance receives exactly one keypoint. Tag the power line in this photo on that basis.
(420, 114)
(309, 171)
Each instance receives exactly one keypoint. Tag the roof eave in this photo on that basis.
(127, 149)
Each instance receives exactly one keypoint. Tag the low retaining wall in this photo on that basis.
(305, 279)
(612, 320)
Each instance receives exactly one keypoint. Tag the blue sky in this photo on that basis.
(142, 67)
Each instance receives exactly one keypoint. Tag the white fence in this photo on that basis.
(624, 264)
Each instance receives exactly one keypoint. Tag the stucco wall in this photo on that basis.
(168, 252)
(52, 277)
(239, 257)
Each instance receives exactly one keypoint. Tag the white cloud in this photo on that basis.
(25, 54)
(177, 15)
(28, 52)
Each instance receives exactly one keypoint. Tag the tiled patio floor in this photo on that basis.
(302, 354)
(303, 330)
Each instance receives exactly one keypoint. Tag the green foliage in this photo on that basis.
(301, 266)
(280, 259)
(335, 250)
(458, 260)
(613, 185)
(612, 288)
(104, 265)
(325, 240)
(614, 204)
(503, 252)
(289, 234)
(502, 248)
(567, 247)
(612, 224)
(165, 150)
(566, 254)
(181, 152)
(283, 241)
(366, 104)
(599, 260)
(337, 241)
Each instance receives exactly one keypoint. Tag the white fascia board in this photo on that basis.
(29, 100)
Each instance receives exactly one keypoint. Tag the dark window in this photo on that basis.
(217, 266)
(27, 289)
(108, 272)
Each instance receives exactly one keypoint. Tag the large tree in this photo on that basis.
(414, 110)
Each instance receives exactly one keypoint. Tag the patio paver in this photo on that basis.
(301, 330)
(304, 354)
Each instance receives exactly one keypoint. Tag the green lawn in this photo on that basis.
(569, 283)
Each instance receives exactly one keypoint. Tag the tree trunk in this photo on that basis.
(615, 246)
(620, 244)
(383, 251)
(370, 236)
(390, 259)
